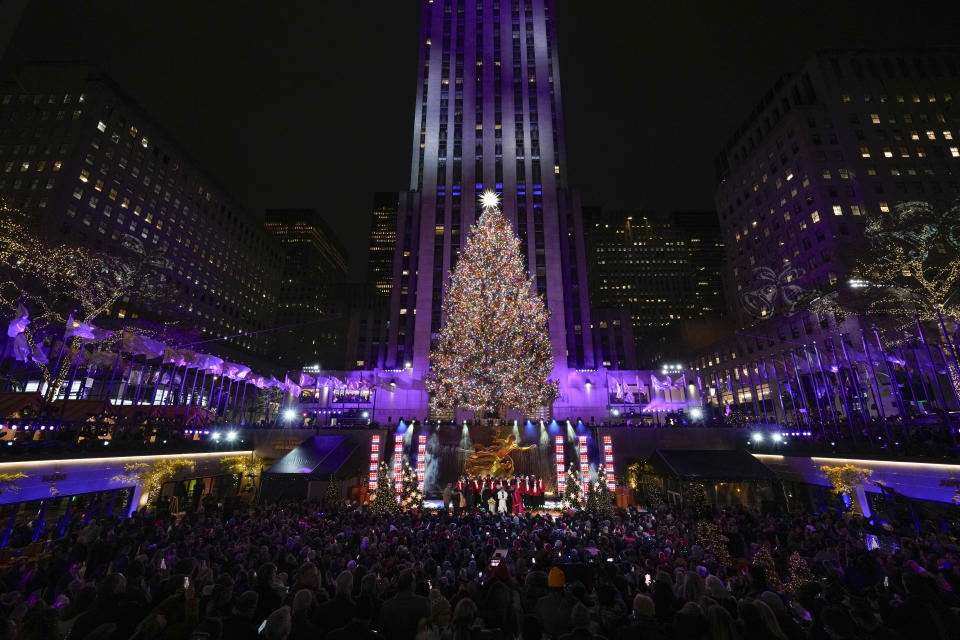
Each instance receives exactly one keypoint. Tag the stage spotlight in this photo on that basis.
(615, 412)
(757, 437)
(776, 437)
(696, 413)
(365, 414)
(289, 414)
(231, 436)
(216, 437)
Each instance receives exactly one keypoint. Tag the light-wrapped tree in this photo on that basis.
(411, 496)
(384, 497)
(494, 350)
(573, 490)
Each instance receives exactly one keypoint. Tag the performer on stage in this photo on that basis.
(467, 492)
(476, 485)
(517, 501)
(502, 496)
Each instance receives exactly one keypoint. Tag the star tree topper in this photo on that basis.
(494, 349)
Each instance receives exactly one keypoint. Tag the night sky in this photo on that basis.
(310, 103)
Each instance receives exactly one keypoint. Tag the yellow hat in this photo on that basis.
(556, 577)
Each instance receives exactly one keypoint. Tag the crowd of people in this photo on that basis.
(515, 495)
(296, 571)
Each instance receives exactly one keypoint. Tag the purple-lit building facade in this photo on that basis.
(852, 134)
(88, 165)
(488, 116)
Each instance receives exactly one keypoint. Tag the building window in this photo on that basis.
(815, 216)
(101, 126)
(837, 210)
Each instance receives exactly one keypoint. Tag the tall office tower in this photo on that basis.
(90, 166)
(313, 263)
(700, 231)
(852, 134)
(488, 116)
(383, 240)
(641, 263)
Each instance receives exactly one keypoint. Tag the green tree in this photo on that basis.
(494, 350)
(384, 498)
(573, 491)
(411, 496)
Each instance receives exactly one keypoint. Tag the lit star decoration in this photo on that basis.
(494, 350)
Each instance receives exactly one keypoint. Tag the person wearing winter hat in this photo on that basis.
(240, 625)
(553, 609)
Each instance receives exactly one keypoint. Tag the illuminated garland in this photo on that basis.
(494, 350)
(913, 262)
(152, 477)
(846, 479)
(8, 481)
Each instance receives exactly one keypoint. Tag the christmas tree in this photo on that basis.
(800, 573)
(494, 351)
(384, 498)
(600, 499)
(411, 496)
(764, 560)
(331, 495)
(572, 492)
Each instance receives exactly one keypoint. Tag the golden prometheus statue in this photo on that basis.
(494, 460)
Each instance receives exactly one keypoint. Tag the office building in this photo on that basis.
(313, 261)
(700, 233)
(851, 135)
(488, 116)
(90, 166)
(383, 240)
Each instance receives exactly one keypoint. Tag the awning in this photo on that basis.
(317, 456)
(723, 466)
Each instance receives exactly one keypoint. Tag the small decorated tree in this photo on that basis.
(384, 498)
(800, 573)
(764, 560)
(411, 496)
(8, 481)
(695, 495)
(710, 538)
(573, 491)
(600, 499)
(331, 495)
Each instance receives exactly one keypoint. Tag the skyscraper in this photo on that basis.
(849, 136)
(383, 240)
(488, 117)
(313, 263)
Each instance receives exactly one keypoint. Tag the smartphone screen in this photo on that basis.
(646, 579)
(186, 582)
(262, 626)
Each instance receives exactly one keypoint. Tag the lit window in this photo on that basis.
(865, 152)
(875, 118)
(403, 311)
(887, 152)
(99, 185)
(884, 207)
(126, 203)
(837, 210)
(57, 165)
(931, 135)
(947, 135)
(556, 169)
(826, 174)
(815, 216)
(145, 142)
(855, 209)
(101, 126)
(954, 152)
(84, 175)
(914, 135)
(845, 97)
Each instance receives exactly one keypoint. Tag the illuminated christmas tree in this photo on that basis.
(600, 500)
(411, 496)
(572, 492)
(494, 351)
(384, 498)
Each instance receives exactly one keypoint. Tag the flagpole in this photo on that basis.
(826, 388)
(953, 352)
(813, 385)
(753, 394)
(892, 379)
(243, 396)
(909, 380)
(183, 384)
(843, 391)
(63, 343)
(113, 373)
(803, 398)
(936, 380)
(876, 385)
(855, 381)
